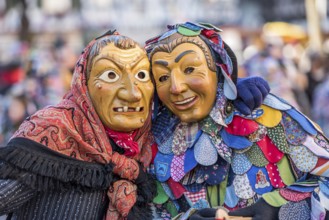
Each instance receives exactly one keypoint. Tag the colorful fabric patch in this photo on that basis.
(242, 187)
(204, 151)
(241, 126)
(303, 158)
(188, 32)
(321, 141)
(195, 187)
(196, 196)
(271, 152)
(302, 120)
(218, 111)
(191, 26)
(278, 137)
(236, 142)
(316, 149)
(222, 149)
(324, 200)
(176, 188)
(259, 180)
(161, 196)
(294, 132)
(294, 196)
(259, 134)
(231, 200)
(274, 102)
(303, 186)
(166, 146)
(167, 34)
(318, 211)
(295, 210)
(168, 191)
(285, 171)
(254, 114)
(177, 168)
(274, 199)
(190, 161)
(256, 156)
(179, 141)
(209, 126)
(216, 194)
(199, 174)
(274, 175)
(270, 118)
(240, 163)
(321, 168)
(162, 166)
(216, 173)
(189, 178)
(324, 189)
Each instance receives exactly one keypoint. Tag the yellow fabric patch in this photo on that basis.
(270, 118)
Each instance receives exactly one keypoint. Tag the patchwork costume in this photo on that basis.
(275, 154)
(61, 163)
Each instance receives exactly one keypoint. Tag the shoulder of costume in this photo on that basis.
(276, 152)
(44, 169)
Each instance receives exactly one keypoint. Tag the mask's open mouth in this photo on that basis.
(185, 101)
(128, 109)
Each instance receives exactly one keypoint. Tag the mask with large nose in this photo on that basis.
(120, 87)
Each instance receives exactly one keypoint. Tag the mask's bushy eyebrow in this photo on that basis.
(179, 57)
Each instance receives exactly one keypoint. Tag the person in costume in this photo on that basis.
(272, 163)
(84, 158)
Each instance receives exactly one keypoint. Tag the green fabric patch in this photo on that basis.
(285, 171)
(216, 194)
(256, 156)
(171, 208)
(187, 32)
(161, 196)
(277, 135)
(274, 199)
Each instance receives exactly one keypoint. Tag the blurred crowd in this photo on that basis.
(39, 76)
(32, 79)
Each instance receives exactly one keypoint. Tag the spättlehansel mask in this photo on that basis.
(189, 63)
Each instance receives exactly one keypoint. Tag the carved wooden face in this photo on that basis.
(120, 87)
(184, 82)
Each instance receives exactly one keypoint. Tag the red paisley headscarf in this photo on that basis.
(73, 128)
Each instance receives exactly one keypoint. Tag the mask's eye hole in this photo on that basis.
(109, 76)
(143, 76)
(163, 78)
(189, 70)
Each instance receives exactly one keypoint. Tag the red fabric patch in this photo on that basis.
(294, 196)
(154, 151)
(210, 34)
(176, 188)
(241, 126)
(196, 196)
(271, 152)
(274, 175)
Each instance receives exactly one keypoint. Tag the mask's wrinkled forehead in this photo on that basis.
(171, 42)
(219, 56)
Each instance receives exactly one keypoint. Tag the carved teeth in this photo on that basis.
(128, 109)
(184, 101)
